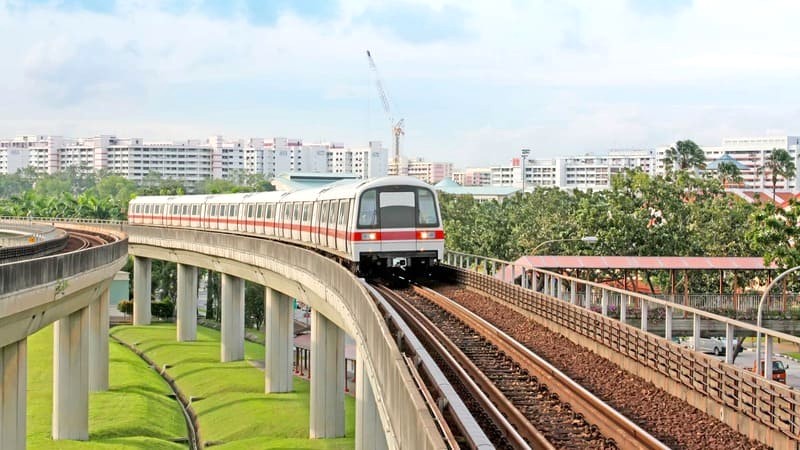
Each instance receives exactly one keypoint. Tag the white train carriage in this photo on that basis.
(390, 221)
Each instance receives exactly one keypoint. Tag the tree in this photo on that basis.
(729, 173)
(774, 233)
(686, 155)
(779, 163)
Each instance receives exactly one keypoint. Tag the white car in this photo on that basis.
(715, 345)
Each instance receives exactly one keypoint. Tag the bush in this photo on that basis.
(163, 310)
(125, 307)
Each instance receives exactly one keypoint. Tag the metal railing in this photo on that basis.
(557, 299)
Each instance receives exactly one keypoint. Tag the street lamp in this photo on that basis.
(758, 321)
(525, 153)
(585, 239)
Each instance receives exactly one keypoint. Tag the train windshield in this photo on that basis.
(397, 207)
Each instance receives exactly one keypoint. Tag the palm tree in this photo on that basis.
(728, 172)
(686, 155)
(779, 163)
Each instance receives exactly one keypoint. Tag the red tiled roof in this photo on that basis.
(644, 262)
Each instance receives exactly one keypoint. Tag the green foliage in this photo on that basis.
(774, 233)
(685, 155)
(125, 307)
(253, 305)
(729, 173)
(162, 310)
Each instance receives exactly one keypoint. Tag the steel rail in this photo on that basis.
(510, 421)
(608, 420)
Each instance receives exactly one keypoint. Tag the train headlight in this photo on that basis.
(369, 236)
(427, 235)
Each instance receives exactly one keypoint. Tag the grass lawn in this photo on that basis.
(133, 414)
(234, 411)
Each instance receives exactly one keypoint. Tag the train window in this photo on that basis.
(185, 210)
(232, 210)
(250, 210)
(324, 213)
(397, 209)
(175, 210)
(222, 210)
(147, 209)
(260, 212)
(194, 210)
(426, 208)
(269, 211)
(332, 213)
(137, 209)
(306, 210)
(213, 211)
(343, 210)
(368, 209)
(296, 212)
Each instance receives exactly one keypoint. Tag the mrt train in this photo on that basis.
(388, 222)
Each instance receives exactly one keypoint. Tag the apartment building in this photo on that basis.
(473, 176)
(429, 172)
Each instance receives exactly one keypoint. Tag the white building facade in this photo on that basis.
(191, 161)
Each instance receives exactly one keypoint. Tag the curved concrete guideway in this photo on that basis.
(71, 290)
(393, 413)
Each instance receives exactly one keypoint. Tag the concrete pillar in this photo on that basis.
(278, 342)
(668, 323)
(573, 292)
(604, 302)
(535, 280)
(13, 395)
(98, 343)
(768, 358)
(71, 376)
(587, 301)
(327, 378)
(696, 331)
(623, 307)
(232, 299)
(645, 311)
(370, 434)
(141, 290)
(546, 284)
(187, 303)
(729, 343)
(558, 287)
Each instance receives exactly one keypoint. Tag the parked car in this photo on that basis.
(715, 345)
(778, 370)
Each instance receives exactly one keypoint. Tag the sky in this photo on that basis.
(475, 81)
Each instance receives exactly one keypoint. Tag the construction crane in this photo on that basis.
(397, 127)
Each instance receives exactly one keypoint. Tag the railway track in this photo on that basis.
(532, 404)
(80, 241)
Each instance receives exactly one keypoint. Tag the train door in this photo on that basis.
(333, 215)
(269, 219)
(323, 224)
(315, 222)
(297, 210)
(305, 223)
(341, 226)
(146, 218)
(397, 219)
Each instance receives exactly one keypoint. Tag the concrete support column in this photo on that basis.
(141, 290)
(327, 378)
(696, 331)
(645, 312)
(623, 307)
(546, 284)
(558, 287)
(13, 395)
(587, 301)
(668, 323)
(729, 343)
(98, 343)
(370, 434)
(534, 280)
(278, 344)
(604, 302)
(187, 303)
(71, 377)
(573, 292)
(232, 344)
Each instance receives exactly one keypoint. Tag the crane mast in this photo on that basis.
(397, 127)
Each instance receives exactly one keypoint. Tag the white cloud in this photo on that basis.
(70, 71)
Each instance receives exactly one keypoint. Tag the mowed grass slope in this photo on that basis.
(234, 412)
(134, 413)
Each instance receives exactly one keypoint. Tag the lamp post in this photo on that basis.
(525, 153)
(758, 320)
(585, 239)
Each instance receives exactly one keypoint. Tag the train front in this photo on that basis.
(398, 226)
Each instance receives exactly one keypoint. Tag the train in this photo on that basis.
(369, 225)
